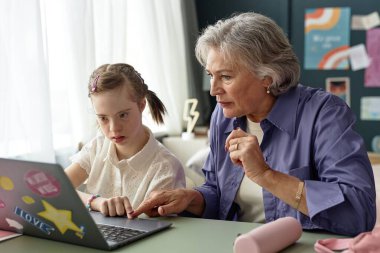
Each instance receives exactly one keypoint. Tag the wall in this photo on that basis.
(316, 78)
(212, 10)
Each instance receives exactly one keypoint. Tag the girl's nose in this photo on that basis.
(115, 125)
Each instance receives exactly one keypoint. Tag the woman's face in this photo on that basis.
(238, 91)
(119, 117)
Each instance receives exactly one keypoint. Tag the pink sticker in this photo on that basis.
(2, 204)
(42, 183)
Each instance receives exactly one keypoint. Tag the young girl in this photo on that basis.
(124, 163)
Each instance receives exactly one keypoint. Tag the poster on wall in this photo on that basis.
(339, 86)
(365, 22)
(327, 38)
(370, 108)
(372, 73)
(358, 57)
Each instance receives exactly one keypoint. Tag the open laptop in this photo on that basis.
(38, 199)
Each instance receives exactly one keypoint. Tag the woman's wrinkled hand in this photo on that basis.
(166, 202)
(245, 151)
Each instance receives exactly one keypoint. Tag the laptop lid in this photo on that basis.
(38, 199)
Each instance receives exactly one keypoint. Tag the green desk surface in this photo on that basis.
(186, 235)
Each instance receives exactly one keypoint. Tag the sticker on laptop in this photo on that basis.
(2, 204)
(14, 224)
(6, 183)
(42, 183)
(28, 200)
(44, 227)
(62, 219)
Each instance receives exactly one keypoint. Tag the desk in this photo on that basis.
(186, 235)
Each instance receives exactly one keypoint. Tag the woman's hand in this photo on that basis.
(162, 203)
(115, 206)
(245, 151)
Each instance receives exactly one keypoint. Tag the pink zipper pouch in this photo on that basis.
(368, 242)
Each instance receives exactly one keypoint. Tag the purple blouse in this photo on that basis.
(309, 134)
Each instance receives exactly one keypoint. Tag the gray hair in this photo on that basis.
(256, 42)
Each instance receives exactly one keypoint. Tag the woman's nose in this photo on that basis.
(215, 88)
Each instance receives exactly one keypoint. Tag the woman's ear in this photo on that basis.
(142, 104)
(267, 81)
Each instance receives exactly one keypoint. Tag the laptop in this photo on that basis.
(38, 199)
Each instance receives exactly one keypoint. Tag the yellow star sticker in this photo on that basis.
(61, 218)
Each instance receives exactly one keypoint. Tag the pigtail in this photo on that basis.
(157, 108)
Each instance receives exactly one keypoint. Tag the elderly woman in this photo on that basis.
(278, 148)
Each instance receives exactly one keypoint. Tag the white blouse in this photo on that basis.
(250, 196)
(152, 168)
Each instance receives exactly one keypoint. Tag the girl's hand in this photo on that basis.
(115, 206)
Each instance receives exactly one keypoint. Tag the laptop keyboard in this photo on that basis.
(118, 234)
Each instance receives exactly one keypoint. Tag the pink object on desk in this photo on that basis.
(270, 237)
(366, 242)
(5, 235)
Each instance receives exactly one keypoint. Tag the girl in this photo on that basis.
(123, 163)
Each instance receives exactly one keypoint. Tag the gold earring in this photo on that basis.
(268, 90)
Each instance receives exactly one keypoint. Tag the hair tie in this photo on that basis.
(94, 84)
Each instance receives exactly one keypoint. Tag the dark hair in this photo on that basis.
(111, 76)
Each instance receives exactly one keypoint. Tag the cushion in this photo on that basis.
(196, 161)
(376, 172)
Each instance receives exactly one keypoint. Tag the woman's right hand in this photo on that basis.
(115, 206)
(165, 202)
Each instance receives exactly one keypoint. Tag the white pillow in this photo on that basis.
(376, 172)
(196, 161)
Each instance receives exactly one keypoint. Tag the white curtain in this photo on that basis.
(48, 55)
(159, 53)
(25, 108)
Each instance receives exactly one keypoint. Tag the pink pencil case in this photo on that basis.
(270, 237)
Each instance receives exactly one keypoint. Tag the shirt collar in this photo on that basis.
(145, 155)
(139, 159)
(240, 122)
(111, 153)
(284, 112)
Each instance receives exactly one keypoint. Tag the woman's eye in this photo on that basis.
(224, 77)
(123, 115)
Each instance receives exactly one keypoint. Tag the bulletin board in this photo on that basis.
(339, 78)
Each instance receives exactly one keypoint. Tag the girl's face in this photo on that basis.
(238, 91)
(119, 117)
